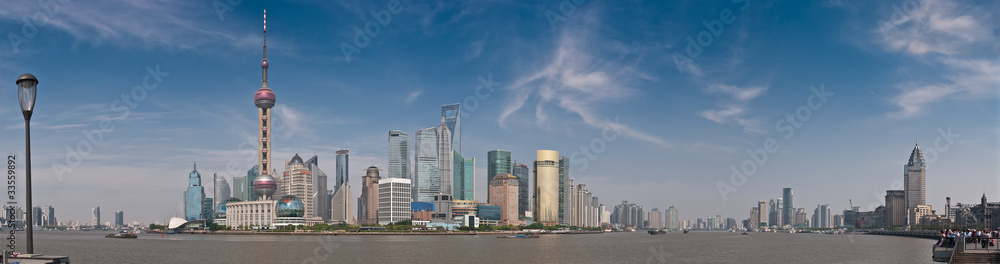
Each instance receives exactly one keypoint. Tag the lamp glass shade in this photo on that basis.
(26, 89)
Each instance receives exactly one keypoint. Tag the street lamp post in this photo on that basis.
(27, 85)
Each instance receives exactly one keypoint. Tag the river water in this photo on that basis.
(696, 247)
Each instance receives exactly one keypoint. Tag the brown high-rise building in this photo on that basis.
(368, 206)
(895, 208)
(504, 193)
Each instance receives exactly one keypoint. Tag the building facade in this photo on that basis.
(503, 193)
(297, 181)
(428, 175)
(393, 200)
(522, 173)
(672, 221)
(222, 189)
(787, 211)
(194, 197)
(497, 162)
(914, 182)
(895, 208)
(369, 200)
(320, 201)
(399, 155)
(465, 178)
(445, 158)
(565, 192)
(546, 187)
(343, 172)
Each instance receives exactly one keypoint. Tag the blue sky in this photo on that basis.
(562, 74)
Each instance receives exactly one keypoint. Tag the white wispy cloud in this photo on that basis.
(738, 93)
(578, 83)
(948, 35)
(735, 108)
(412, 96)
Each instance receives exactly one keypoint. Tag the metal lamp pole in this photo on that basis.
(27, 86)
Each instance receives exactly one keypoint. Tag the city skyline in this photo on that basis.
(672, 134)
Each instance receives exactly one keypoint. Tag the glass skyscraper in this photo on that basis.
(399, 154)
(321, 203)
(342, 168)
(521, 171)
(248, 184)
(428, 175)
(787, 209)
(546, 185)
(565, 190)
(465, 171)
(451, 114)
(445, 157)
(497, 162)
(194, 196)
(222, 190)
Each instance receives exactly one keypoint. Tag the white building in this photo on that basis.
(394, 200)
(251, 214)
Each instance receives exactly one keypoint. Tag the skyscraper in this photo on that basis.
(895, 213)
(399, 154)
(239, 187)
(445, 157)
(340, 205)
(546, 186)
(914, 181)
(95, 217)
(369, 200)
(451, 115)
(38, 220)
(772, 213)
(119, 219)
(521, 171)
(787, 211)
(565, 191)
(762, 213)
(465, 178)
(342, 168)
(428, 175)
(250, 193)
(394, 200)
(672, 222)
(321, 203)
(222, 190)
(655, 219)
(50, 216)
(503, 193)
(497, 162)
(297, 181)
(194, 196)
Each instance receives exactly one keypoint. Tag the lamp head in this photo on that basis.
(27, 86)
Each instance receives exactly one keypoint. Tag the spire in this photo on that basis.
(196, 166)
(263, 63)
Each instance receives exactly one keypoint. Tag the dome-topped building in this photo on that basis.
(290, 206)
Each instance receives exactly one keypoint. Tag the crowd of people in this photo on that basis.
(985, 238)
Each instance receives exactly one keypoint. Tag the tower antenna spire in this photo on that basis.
(264, 64)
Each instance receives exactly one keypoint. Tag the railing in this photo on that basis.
(981, 245)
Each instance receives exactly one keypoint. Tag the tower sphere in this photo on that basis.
(264, 98)
(264, 185)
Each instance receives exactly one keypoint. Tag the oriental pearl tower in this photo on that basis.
(264, 185)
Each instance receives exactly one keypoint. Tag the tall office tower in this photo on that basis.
(207, 210)
(822, 216)
(672, 222)
(222, 190)
(451, 115)
(605, 215)
(38, 220)
(754, 218)
(297, 181)
(787, 211)
(95, 217)
(800, 217)
(321, 204)
(772, 213)
(445, 157)
(428, 175)
(194, 196)
(250, 192)
(369, 201)
(914, 181)
(581, 200)
(895, 213)
(521, 171)
(399, 154)
(595, 212)
(465, 178)
(565, 191)
(119, 219)
(503, 193)
(394, 200)
(50, 216)
(239, 187)
(497, 162)
(341, 210)
(342, 168)
(781, 208)
(457, 175)
(546, 186)
(655, 219)
(762, 209)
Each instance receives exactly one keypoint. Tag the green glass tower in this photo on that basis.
(497, 162)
